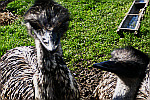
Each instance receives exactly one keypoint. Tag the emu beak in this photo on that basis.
(106, 65)
(50, 40)
(127, 68)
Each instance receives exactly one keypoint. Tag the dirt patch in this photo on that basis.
(88, 79)
(3, 4)
(6, 17)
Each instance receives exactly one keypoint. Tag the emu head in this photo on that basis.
(126, 62)
(47, 21)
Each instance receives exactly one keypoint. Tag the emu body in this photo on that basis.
(130, 79)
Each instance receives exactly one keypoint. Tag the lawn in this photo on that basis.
(91, 35)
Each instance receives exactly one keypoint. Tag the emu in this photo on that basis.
(131, 79)
(39, 72)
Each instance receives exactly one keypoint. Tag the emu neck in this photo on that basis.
(42, 79)
(53, 80)
(126, 88)
(36, 77)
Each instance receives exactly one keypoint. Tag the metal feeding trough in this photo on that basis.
(131, 21)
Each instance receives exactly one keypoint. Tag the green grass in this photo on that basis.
(92, 31)
(19, 6)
